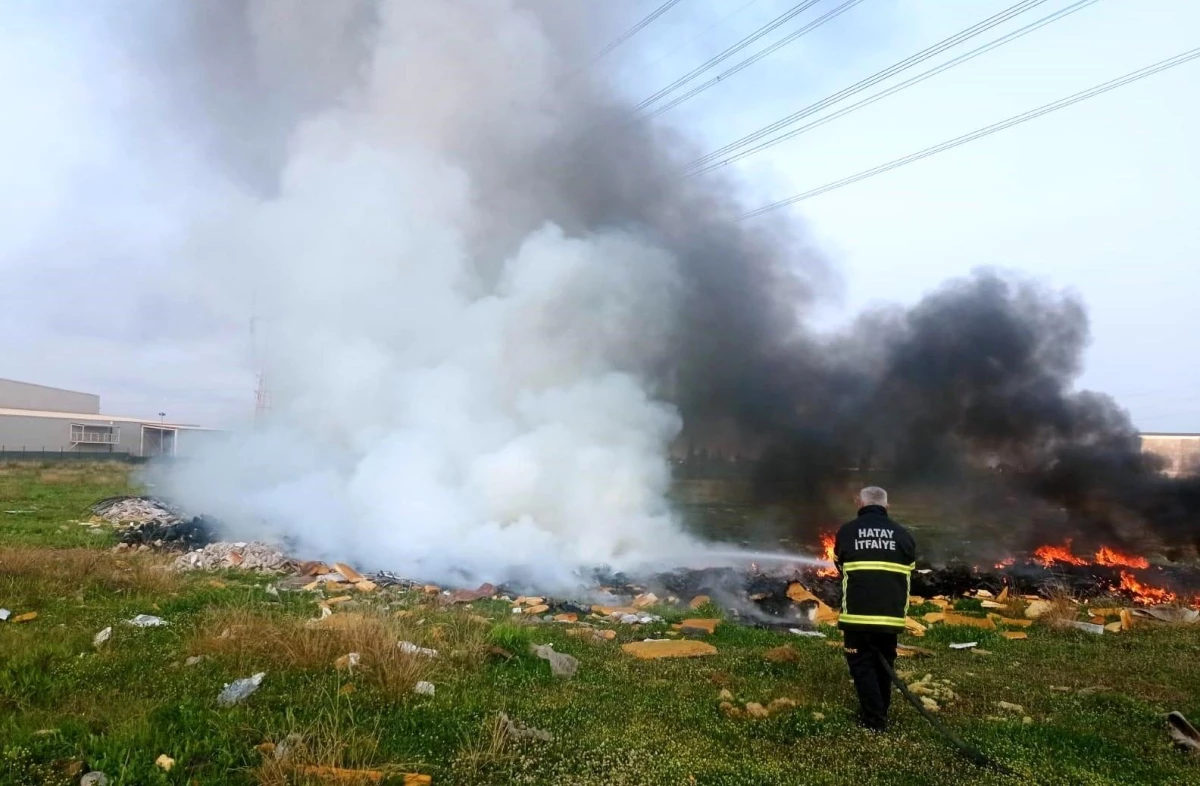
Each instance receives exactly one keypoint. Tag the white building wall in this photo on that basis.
(24, 395)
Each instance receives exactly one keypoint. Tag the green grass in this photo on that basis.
(620, 721)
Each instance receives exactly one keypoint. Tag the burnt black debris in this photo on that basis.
(171, 535)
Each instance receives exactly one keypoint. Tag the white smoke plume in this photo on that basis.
(461, 390)
(486, 301)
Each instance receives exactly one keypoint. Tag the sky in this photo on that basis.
(1098, 198)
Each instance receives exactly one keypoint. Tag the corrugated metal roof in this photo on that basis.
(83, 417)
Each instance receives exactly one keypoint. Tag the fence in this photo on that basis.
(66, 455)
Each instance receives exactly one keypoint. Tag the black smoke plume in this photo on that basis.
(972, 389)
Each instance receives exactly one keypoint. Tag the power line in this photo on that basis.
(729, 52)
(703, 32)
(1083, 95)
(896, 88)
(628, 34)
(828, 16)
(890, 71)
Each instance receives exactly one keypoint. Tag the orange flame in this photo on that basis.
(1144, 594)
(1004, 563)
(1048, 555)
(827, 542)
(1107, 556)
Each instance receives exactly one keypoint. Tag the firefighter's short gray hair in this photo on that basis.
(873, 495)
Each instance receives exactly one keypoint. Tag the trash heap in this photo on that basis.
(135, 510)
(247, 556)
(178, 534)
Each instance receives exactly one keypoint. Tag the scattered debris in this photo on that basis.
(904, 650)
(1014, 635)
(146, 621)
(568, 618)
(1017, 708)
(699, 600)
(935, 690)
(966, 645)
(424, 688)
(28, 616)
(541, 608)
(94, 778)
(913, 627)
(645, 600)
(1183, 733)
(348, 573)
(102, 637)
(1037, 608)
(470, 596)
(194, 660)
(651, 649)
(930, 704)
(1086, 627)
(222, 554)
(706, 625)
(4, 615)
(408, 648)
(239, 690)
(165, 762)
(815, 634)
(725, 695)
(1174, 614)
(519, 731)
(366, 586)
(561, 665)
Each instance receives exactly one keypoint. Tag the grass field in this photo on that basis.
(121, 705)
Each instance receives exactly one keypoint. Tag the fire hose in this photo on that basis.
(974, 754)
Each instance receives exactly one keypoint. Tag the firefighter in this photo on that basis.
(876, 557)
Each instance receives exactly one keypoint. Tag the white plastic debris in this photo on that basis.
(424, 688)
(147, 621)
(408, 648)
(273, 591)
(239, 690)
(4, 615)
(561, 665)
(816, 634)
(1086, 627)
(518, 610)
(966, 645)
(628, 619)
(102, 637)
(94, 778)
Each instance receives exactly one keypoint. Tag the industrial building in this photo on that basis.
(1181, 452)
(38, 419)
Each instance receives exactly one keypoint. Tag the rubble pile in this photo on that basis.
(247, 556)
(182, 534)
(128, 509)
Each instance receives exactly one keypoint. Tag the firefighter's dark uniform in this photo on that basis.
(876, 557)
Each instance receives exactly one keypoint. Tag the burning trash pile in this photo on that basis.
(148, 522)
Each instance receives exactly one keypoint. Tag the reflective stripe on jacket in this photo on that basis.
(876, 557)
